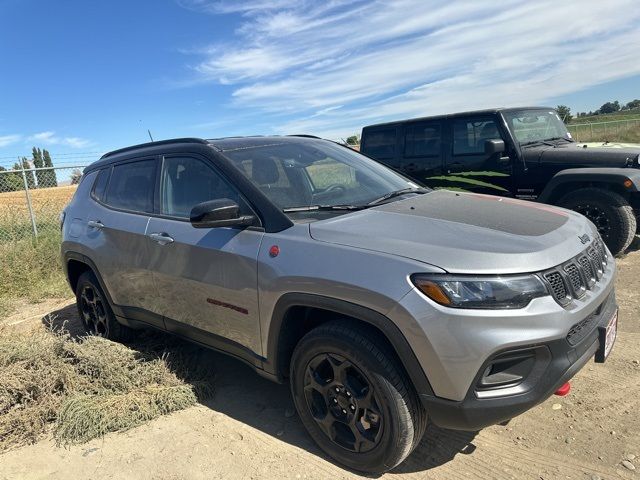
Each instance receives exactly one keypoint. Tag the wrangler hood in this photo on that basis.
(464, 232)
(577, 157)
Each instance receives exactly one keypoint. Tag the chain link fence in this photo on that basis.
(31, 200)
(601, 131)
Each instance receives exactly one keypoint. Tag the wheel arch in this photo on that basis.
(623, 181)
(295, 314)
(76, 264)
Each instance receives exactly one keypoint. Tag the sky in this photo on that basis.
(82, 77)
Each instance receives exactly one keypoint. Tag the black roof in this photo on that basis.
(221, 144)
(238, 143)
(488, 111)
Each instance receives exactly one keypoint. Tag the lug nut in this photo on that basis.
(335, 400)
(353, 407)
(337, 389)
(348, 394)
(344, 411)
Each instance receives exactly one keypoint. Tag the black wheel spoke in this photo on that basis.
(342, 401)
(362, 441)
(94, 313)
(339, 366)
(326, 424)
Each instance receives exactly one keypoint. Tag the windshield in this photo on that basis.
(532, 126)
(301, 174)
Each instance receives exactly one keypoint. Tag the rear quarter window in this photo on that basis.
(100, 185)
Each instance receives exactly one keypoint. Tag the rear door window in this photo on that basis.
(132, 185)
(380, 143)
(422, 140)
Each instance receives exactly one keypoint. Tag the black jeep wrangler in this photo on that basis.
(525, 153)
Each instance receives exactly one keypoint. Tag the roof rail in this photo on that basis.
(153, 144)
(304, 135)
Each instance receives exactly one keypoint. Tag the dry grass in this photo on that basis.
(30, 269)
(84, 388)
(47, 203)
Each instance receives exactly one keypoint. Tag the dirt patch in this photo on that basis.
(247, 430)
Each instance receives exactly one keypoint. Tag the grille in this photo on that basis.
(559, 289)
(581, 329)
(577, 283)
(588, 269)
(573, 278)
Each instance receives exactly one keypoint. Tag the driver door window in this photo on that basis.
(468, 167)
(188, 181)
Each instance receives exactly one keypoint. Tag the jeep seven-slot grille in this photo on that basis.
(573, 278)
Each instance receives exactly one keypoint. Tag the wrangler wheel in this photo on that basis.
(608, 211)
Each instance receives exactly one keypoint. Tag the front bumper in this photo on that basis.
(556, 362)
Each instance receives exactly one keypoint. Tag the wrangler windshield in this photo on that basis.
(536, 126)
(317, 175)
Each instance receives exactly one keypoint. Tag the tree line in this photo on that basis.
(41, 159)
(610, 107)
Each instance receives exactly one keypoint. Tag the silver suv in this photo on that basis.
(381, 302)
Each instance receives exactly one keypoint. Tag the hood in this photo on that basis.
(463, 232)
(579, 156)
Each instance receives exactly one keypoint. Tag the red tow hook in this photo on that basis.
(563, 390)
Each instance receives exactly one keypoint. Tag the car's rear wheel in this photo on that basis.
(610, 213)
(354, 399)
(96, 314)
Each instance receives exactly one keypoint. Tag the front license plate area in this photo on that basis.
(607, 337)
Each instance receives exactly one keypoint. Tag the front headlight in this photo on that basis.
(480, 291)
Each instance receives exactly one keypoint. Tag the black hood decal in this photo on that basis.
(486, 211)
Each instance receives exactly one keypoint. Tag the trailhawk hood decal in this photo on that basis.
(464, 232)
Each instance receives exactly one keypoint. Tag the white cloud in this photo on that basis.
(6, 140)
(50, 138)
(330, 67)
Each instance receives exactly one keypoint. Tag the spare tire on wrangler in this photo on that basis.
(610, 213)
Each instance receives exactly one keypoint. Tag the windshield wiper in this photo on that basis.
(536, 142)
(397, 193)
(560, 138)
(313, 208)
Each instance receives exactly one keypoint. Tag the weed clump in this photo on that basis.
(83, 388)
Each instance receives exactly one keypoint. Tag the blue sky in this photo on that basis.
(79, 77)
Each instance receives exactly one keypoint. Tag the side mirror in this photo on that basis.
(219, 213)
(493, 146)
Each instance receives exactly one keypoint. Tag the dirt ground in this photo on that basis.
(248, 429)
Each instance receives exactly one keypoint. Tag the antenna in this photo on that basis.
(149, 132)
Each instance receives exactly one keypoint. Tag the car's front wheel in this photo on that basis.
(354, 399)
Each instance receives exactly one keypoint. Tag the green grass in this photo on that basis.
(608, 117)
(30, 270)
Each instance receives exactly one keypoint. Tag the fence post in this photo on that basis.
(26, 192)
(591, 128)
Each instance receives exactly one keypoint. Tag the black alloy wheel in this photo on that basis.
(343, 402)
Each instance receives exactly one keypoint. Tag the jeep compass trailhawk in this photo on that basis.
(381, 302)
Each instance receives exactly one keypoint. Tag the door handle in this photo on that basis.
(161, 238)
(97, 224)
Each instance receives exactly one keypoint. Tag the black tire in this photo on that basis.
(345, 382)
(609, 212)
(95, 312)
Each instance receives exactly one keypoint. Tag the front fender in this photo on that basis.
(627, 179)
